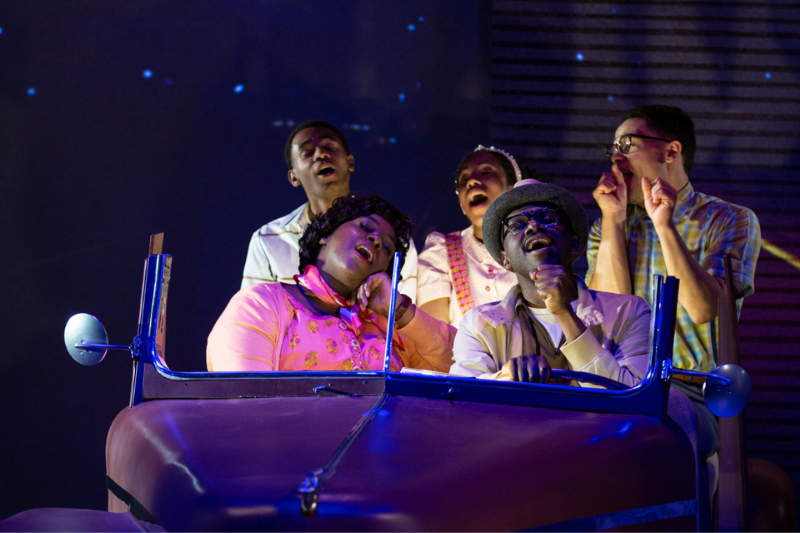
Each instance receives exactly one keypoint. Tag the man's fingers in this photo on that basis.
(533, 369)
(544, 370)
(617, 173)
(548, 266)
(608, 183)
(660, 195)
(547, 280)
(647, 188)
(513, 371)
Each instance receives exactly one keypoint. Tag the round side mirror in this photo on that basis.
(728, 401)
(85, 329)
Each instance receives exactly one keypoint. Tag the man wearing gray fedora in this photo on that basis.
(549, 319)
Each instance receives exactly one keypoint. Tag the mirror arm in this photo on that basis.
(104, 346)
(134, 348)
(721, 382)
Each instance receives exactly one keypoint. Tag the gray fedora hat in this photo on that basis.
(526, 192)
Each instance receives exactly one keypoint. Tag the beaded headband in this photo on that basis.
(505, 154)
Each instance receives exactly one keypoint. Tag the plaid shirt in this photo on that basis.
(711, 228)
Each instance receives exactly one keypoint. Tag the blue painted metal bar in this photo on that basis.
(103, 346)
(387, 354)
(646, 398)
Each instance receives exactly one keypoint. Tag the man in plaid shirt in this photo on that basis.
(654, 222)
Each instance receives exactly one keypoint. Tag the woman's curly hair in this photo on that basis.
(349, 208)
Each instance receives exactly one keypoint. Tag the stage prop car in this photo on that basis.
(374, 451)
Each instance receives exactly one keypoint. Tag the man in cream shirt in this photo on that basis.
(320, 162)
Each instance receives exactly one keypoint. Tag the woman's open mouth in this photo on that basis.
(478, 199)
(365, 253)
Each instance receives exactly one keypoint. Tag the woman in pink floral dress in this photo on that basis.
(334, 317)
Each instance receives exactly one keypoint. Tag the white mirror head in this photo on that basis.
(728, 401)
(85, 329)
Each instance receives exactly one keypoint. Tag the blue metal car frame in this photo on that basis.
(152, 379)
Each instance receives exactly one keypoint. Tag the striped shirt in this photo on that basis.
(710, 228)
(274, 253)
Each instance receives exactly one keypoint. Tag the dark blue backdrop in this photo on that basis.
(118, 120)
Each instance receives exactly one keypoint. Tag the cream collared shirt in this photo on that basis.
(615, 345)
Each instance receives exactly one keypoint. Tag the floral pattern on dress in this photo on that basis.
(328, 344)
(311, 360)
(294, 341)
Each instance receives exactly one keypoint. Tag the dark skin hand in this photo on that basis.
(555, 289)
(529, 368)
(376, 294)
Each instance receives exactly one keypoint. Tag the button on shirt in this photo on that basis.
(274, 253)
(710, 228)
(489, 282)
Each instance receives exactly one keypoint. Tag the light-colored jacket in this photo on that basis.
(616, 341)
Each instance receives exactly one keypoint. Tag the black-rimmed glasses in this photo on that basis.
(544, 217)
(624, 143)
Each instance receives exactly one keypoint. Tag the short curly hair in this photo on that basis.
(349, 208)
(287, 148)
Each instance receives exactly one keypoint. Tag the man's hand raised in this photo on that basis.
(659, 201)
(555, 287)
(611, 194)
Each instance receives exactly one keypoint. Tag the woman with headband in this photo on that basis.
(455, 271)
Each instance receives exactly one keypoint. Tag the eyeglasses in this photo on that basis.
(519, 223)
(624, 143)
